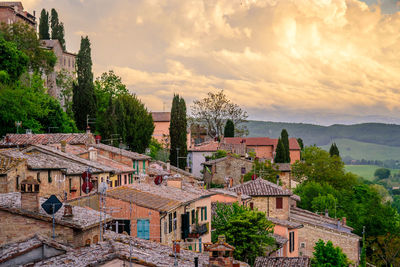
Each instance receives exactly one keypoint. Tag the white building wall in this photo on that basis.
(196, 159)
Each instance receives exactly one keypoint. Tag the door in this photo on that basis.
(143, 229)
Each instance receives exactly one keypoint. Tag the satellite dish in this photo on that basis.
(158, 180)
(103, 188)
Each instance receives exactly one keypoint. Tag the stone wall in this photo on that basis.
(309, 235)
(14, 227)
(231, 167)
(268, 205)
(8, 182)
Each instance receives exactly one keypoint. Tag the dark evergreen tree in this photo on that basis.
(84, 100)
(280, 152)
(300, 142)
(285, 142)
(44, 25)
(229, 130)
(57, 28)
(334, 150)
(177, 132)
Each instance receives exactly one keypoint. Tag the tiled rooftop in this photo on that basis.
(205, 147)
(8, 162)
(260, 141)
(40, 160)
(144, 199)
(282, 262)
(56, 152)
(83, 218)
(12, 140)
(118, 246)
(123, 152)
(211, 162)
(161, 116)
(261, 187)
(308, 217)
(288, 224)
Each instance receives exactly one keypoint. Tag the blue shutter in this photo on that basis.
(143, 229)
(147, 229)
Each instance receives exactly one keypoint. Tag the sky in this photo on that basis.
(308, 61)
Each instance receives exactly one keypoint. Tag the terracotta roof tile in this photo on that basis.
(12, 140)
(161, 116)
(282, 262)
(207, 146)
(261, 187)
(260, 141)
(123, 152)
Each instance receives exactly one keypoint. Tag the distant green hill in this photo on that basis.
(366, 171)
(374, 133)
(363, 150)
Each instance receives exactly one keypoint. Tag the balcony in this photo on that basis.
(198, 230)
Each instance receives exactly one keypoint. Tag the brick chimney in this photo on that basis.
(30, 194)
(63, 145)
(175, 182)
(92, 154)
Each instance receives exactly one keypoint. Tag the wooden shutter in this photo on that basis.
(279, 203)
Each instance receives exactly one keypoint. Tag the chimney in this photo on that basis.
(277, 179)
(344, 221)
(175, 182)
(326, 213)
(30, 194)
(63, 145)
(168, 166)
(98, 139)
(67, 211)
(88, 130)
(92, 154)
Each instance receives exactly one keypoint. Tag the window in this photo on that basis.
(115, 183)
(17, 182)
(205, 213)
(70, 184)
(125, 180)
(38, 177)
(291, 241)
(175, 220)
(201, 212)
(302, 245)
(243, 170)
(193, 217)
(49, 176)
(279, 203)
(170, 223)
(251, 205)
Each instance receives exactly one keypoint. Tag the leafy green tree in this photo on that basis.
(328, 255)
(217, 155)
(57, 28)
(334, 150)
(229, 130)
(84, 100)
(285, 142)
(323, 203)
(13, 62)
(212, 111)
(382, 173)
(158, 151)
(25, 38)
(177, 132)
(44, 25)
(247, 230)
(385, 249)
(65, 81)
(280, 156)
(265, 170)
(30, 104)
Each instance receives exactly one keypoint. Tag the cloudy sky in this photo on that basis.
(311, 61)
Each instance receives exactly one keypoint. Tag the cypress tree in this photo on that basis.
(280, 152)
(84, 101)
(229, 130)
(285, 141)
(301, 144)
(57, 28)
(177, 132)
(44, 25)
(334, 150)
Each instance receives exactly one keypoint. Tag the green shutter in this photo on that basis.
(205, 213)
(202, 214)
(144, 166)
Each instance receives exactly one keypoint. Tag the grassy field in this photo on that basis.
(368, 151)
(365, 171)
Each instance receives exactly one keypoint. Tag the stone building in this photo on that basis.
(281, 261)
(12, 172)
(323, 227)
(161, 122)
(219, 171)
(12, 12)
(275, 202)
(21, 216)
(263, 147)
(65, 62)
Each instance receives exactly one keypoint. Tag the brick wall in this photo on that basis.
(294, 155)
(310, 234)
(265, 152)
(123, 212)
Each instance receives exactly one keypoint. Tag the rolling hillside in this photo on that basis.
(374, 133)
(366, 171)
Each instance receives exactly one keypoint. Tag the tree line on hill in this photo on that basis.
(376, 133)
